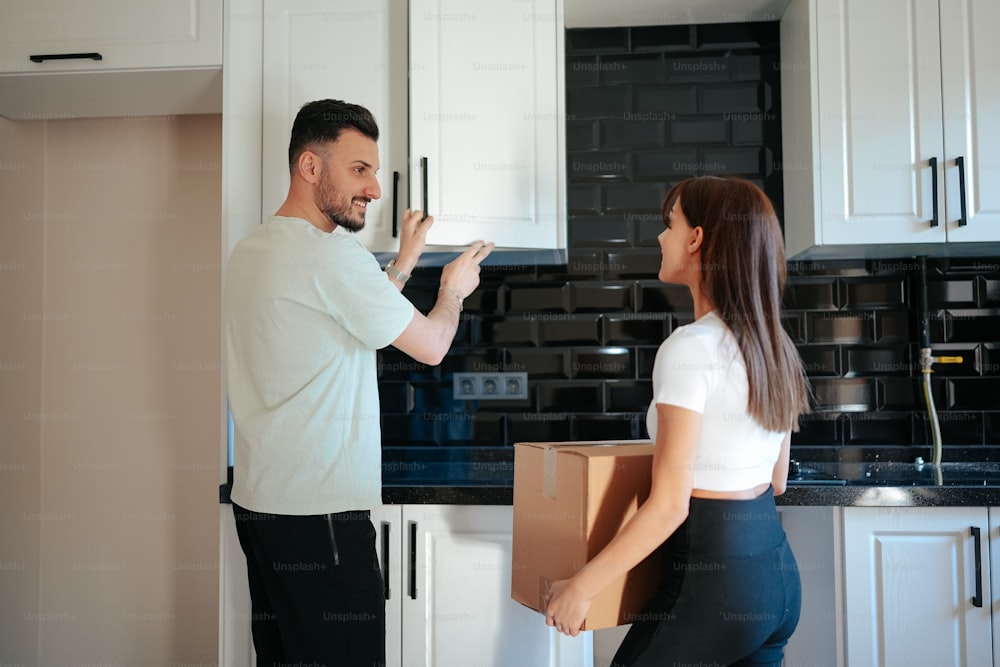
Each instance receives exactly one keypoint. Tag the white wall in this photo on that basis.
(110, 241)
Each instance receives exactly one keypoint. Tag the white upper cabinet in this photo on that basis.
(870, 159)
(110, 57)
(486, 105)
(970, 57)
(339, 49)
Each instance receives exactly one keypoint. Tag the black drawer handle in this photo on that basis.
(413, 560)
(424, 168)
(395, 206)
(960, 163)
(42, 57)
(934, 191)
(385, 559)
(977, 600)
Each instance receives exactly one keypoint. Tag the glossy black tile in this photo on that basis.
(636, 328)
(878, 429)
(630, 134)
(666, 37)
(735, 161)
(539, 363)
(644, 68)
(840, 327)
(507, 332)
(952, 293)
(969, 366)
(906, 393)
(631, 196)
(606, 363)
(597, 101)
(486, 299)
(957, 427)
(745, 30)
(992, 425)
(391, 364)
(696, 68)
(963, 326)
(658, 297)
(732, 100)
(407, 431)
(570, 397)
(538, 427)
(748, 129)
(597, 40)
(629, 396)
(814, 293)
(601, 297)
(645, 356)
(698, 130)
(557, 329)
(583, 264)
(604, 427)
(894, 326)
(469, 360)
(538, 298)
(818, 429)
(974, 394)
(879, 361)
(990, 290)
(665, 164)
(843, 395)
(394, 397)
(662, 103)
(581, 135)
(794, 325)
(990, 364)
(598, 165)
(482, 429)
(637, 263)
(874, 293)
(581, 71)
(583, 199)
(604, 231)
(821, 360)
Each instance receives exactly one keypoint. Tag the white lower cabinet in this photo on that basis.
(917, 586)
(448, 572)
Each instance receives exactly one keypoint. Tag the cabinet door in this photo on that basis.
(995, 577)
(129, 34)
(911, 586)
(879, 95)
(340, 49)
(970, 60)
(457, 608)
(486, 85)
(388, 522)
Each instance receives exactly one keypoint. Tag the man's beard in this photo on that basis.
(338, 215)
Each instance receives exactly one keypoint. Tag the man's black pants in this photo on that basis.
(316, 589)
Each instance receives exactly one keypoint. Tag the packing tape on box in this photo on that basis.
(549, 472)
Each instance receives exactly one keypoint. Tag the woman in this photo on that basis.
(727, 392)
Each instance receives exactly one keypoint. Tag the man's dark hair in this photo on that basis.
(322, 121)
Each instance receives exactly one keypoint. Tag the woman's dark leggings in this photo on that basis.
(731, 593)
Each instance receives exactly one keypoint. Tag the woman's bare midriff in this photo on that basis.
(743, 494)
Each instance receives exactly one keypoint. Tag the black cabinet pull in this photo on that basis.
(977, 600)
(413, 560)
(42, 57)
(960, 163)
(395, 207)
(934, 193)
(385, 559)
(423, 186)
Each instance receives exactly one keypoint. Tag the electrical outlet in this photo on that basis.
(490, 386)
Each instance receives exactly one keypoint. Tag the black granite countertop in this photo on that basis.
(817, 484)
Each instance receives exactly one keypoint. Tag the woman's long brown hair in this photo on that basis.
(743, 275)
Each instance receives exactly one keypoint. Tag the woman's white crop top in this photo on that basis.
(700, 367)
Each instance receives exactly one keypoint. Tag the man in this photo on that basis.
(306, 308)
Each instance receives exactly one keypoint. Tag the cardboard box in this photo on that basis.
(570, 499)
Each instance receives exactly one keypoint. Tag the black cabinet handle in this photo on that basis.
(934, 192)
(395, 207)
(423, 186)
(960, 163)
(386, 527)
(977, 600)
(42, 57)
(413, 560)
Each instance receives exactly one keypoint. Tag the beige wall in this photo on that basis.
(114, 327)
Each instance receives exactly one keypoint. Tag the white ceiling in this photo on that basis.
(618, 13)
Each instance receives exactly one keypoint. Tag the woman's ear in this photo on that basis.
(696, 239)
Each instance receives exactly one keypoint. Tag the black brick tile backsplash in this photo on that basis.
(645, 108)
